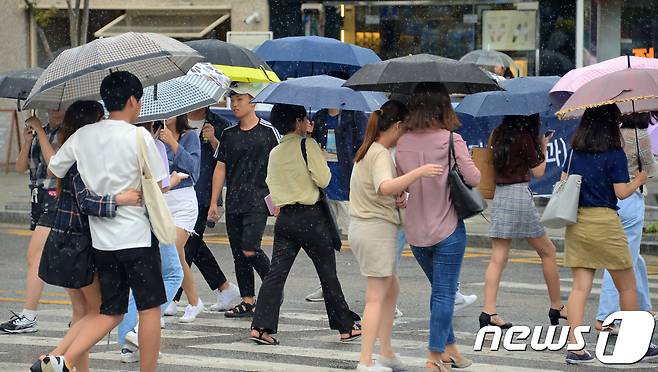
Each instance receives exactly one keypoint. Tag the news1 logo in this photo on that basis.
(633, 340)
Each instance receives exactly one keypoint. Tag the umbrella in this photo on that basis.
(576, 78)
(300, 56)
(522, 96)
(632, 89)
(77, 73)
(18, 83)
(320, 92)
(238, 63)
(202, 86)
(483, 57)
(403, 74)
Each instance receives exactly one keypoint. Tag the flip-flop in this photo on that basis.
(262, 340)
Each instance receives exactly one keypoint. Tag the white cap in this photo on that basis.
(251, 89)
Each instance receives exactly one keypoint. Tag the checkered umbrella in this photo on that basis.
(77, 73)
(202, 86)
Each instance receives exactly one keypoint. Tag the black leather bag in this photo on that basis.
(334, 232)
(467, 200)
(67, 260)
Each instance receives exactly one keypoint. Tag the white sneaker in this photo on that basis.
(132, 338)
(129, 354)
(171, 309)
(227, 298)
(316, 296)
(162, 323)
(463, 301)
(394, 363)
(191, 312)
(398, 313)
(375, 367)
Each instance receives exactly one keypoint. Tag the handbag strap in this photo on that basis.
(451, 153)
(303, 145)
(639, 158)
(144, 168)
(570, 159)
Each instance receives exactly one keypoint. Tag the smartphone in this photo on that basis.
(549, 133)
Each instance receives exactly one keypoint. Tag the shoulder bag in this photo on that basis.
(467, 200)
(562, 210)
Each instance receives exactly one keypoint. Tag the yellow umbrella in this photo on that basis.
(248, 74)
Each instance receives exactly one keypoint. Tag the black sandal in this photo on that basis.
(242, 310)
(351, 335)
(260, 340)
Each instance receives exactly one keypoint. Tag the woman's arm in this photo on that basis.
(47, 149)
(102, 206)
(397, 185)
(188, 157)
(23, 160)
(624, 190)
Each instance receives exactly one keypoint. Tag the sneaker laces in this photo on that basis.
(15, 318)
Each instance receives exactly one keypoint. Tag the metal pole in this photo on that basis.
(580, 32)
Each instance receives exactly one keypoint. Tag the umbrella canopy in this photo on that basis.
(238, 63)
(77, 73)
(403, 74)
(522, 96)
(483, 57)
(576, 78)
(313, 55)
(633, 90)
(202, 86)
(17, 84)
(320, 92)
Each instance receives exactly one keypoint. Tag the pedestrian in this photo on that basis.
(631, 211)
(597, 239)
(436, 234)
(172, 270)
(208, 126)
(70, 232)
(295, 171)
(375, 196)
(340, 134)
(40, 145)
(242, 156)
(518, 152)
(107, 158)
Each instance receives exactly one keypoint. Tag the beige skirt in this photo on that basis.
(374, 244)
(597, 241)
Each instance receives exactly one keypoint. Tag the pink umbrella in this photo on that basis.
(632, 89)
(576, 78)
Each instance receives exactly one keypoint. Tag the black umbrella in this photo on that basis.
(404, 74)
(17, 84)
(218, 52)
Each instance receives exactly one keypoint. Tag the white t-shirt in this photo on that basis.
(106, 156)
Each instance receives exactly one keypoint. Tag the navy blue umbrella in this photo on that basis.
(522, 96)
(320, 92)
(300, 56)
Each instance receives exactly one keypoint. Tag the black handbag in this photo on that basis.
(467, 200)
(67, 260)
(334, 232)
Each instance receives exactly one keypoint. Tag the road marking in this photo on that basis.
(47, 302)
(166, 333)
(542, 287)
(54, 294)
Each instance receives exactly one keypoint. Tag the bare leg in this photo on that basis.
(582, 285)
(546, 251)
(376, 293)
(92, 329)
(387, 318)
(149, 339)
(34, 284)
(188, 279)
(626, 286)
(499, 257)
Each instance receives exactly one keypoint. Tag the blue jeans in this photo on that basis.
(172, 276)
(442, 264)
(402, 241)
(631, 212)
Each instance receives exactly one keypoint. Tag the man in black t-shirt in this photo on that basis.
(242, 157)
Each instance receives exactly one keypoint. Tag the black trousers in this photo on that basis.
(302, 226)
(198, 253)
(245, 234)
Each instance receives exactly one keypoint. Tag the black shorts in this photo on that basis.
(136, 269)
(245, 230)
(43, 210)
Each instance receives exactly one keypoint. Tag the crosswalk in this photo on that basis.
(215, 343)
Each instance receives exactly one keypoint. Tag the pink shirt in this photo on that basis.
(430, 215)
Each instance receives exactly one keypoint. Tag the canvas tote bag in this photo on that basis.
(562, 210)
(159, 215)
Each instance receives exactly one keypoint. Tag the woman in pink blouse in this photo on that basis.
(436, 235)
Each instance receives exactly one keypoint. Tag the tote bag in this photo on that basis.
(159, 215)
(562, 208)
(467, 200)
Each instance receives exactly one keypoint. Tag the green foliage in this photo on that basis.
(44, 16)
(651, 227)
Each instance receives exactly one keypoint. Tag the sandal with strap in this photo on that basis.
(351, 336)
(261, 340)
(242, 310)
(441, 366)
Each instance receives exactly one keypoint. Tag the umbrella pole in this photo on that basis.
(639, 159)
(628, 60)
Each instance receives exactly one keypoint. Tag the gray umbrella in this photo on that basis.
(405, 74)
(17, 84)
(77, 73)
(482, 57)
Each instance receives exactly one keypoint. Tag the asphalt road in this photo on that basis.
(214, 343)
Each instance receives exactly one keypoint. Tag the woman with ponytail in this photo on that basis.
(375, 196)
